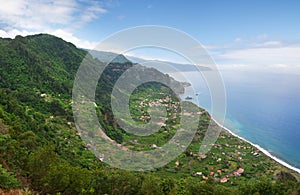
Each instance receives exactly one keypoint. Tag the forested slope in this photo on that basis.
(41, 151)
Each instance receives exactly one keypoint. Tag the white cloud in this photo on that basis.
(92, 12)
(48, 14)
(269, 56)
(208, 47)
(238, 39)
(59, 18)
(270, 68)
(258, 53)
(67, 36)
(36, 15)
(268, 44)
(233, 66)
(279, 66)
(262, 36)
(276, 55)
(14, 32)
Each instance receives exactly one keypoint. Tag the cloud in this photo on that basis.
(121, 17)
(266, 55)
(233, 66)
(37, 15)
(262, 36)
(211, 47)
(238, 39)
(59, 18)
(14, 32)
(268, 44)
(67, 36)
(258, 53)
(92, 12)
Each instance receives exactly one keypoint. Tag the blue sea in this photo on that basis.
(262, 107)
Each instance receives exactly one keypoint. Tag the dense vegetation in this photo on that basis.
(41, 152)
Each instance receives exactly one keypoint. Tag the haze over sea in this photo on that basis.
(262, 107)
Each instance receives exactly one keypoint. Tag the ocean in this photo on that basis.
(262, 107)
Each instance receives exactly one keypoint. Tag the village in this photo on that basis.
(229, 160)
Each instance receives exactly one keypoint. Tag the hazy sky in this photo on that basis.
(259, 34)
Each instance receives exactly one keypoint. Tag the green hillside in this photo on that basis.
(41, 151)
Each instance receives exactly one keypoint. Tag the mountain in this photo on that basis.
(107, 57)
(40, 59)
(157, 64)
(41, 150)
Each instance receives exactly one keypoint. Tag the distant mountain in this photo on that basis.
(157, 64)
(106, 57)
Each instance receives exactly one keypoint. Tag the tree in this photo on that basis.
(151, 185)
(7, 180)
(39, 164)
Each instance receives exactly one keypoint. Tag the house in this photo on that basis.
(101, 157)
(240, 170)
(224, 180)
(256, 154)
(177, 163)
(199, 173)
(154, 146)
(205, 178)
(236, 174)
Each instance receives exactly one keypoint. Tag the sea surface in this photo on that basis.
(262, 107)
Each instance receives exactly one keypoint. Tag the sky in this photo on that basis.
(241, 35)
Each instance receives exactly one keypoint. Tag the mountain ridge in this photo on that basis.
(41, 150)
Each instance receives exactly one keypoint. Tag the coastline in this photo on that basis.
(257, 146)
(266, 152)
